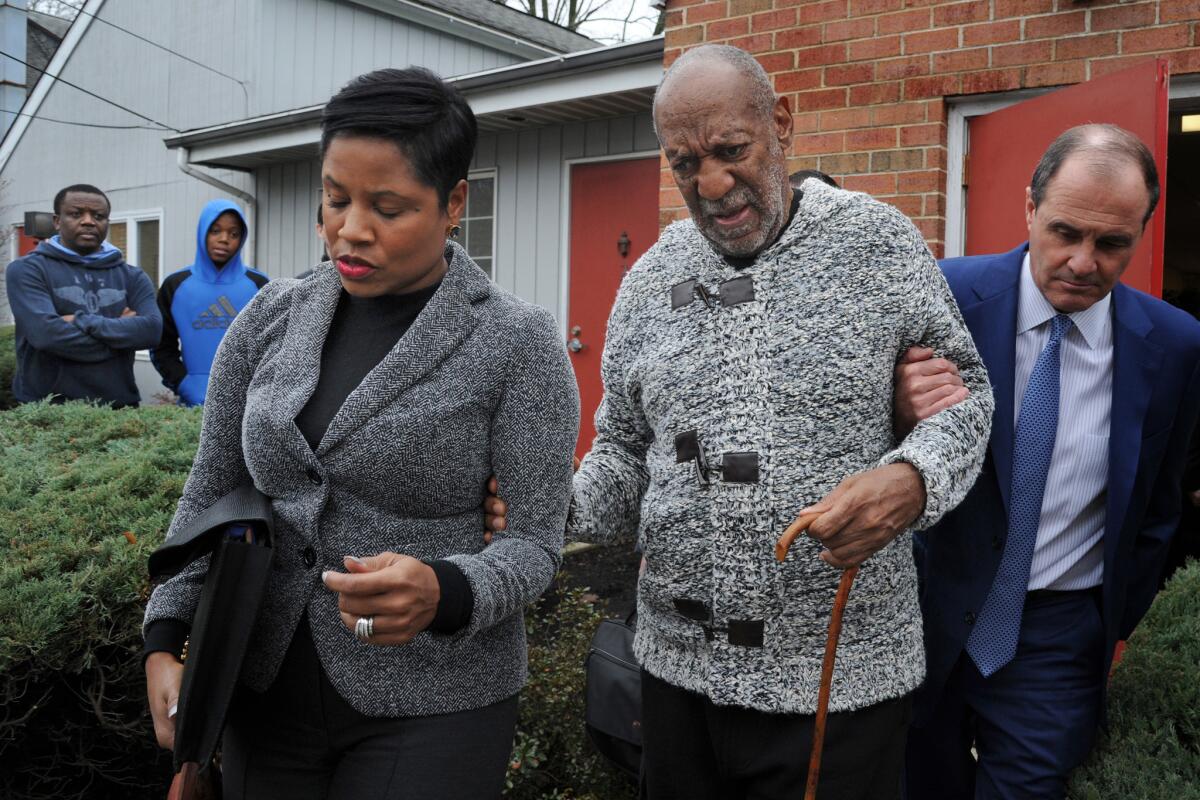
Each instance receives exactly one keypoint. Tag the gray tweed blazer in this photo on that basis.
(479, 385)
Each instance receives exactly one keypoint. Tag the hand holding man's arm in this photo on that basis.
(611, 480)
(924, 385)
(495, 510)
(947, 448)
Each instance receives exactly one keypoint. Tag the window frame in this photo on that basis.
(131, 218)
(482, 174)
(14, 240)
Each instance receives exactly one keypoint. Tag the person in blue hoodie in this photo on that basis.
(81, 312)
(199, 302)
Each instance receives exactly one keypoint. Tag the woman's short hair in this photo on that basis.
(425, 117)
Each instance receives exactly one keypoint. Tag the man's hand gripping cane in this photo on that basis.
(854, 521)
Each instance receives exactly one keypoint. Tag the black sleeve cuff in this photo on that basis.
(166, 635)
(457, 600)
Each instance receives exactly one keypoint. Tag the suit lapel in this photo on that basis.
(438, 330)
(993, 324)
(1135, 362)
(309, 318)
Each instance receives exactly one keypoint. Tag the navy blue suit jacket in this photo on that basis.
(1156, 399)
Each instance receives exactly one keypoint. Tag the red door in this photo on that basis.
(25, 244)
(1005, 147)
(614, 219)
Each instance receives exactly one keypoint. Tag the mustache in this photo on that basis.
(738, 197)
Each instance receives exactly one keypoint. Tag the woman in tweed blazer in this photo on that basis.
(370, 403)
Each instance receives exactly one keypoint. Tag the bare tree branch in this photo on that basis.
(604, 20)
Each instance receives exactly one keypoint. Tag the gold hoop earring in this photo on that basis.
(453, 231)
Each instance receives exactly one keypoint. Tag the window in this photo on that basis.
(479, 221)
(138, 236)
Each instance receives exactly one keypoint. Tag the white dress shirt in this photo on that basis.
(1069, 553)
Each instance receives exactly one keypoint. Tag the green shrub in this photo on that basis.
(8, 364)
(85, 495)
(1152, 750)
(74, 481)
(552, 757)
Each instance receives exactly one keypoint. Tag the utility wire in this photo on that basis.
(152, 43)
(81, 124)
(90, 93)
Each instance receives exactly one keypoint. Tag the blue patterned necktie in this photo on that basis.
(993, 640)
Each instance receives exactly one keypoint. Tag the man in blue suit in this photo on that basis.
(1055, 554)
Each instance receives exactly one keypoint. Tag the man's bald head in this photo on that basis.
(1105, 150)
(726, 136)
(701, 64)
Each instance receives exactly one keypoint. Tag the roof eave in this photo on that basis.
(469, 29)
(620, 77)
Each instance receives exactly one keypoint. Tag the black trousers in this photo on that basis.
(300, 740)
(695, 750)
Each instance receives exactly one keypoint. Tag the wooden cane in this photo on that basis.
(186, 785)
(794, 530)
(831, 642)
(192, 784)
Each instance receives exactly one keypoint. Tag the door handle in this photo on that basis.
(573, 344)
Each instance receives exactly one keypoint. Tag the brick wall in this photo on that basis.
(867, 79)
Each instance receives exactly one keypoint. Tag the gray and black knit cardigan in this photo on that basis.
(479, 385)
(734, 398)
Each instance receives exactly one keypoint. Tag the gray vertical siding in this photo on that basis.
(289, 53)
(287, 196)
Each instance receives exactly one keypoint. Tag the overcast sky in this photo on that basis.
(609, 29)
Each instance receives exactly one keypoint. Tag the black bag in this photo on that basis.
(224, 620)
(613, 706)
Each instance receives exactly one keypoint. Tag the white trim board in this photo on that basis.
(494, 174)
(564, 227)
(1183, 87)
(33, 102)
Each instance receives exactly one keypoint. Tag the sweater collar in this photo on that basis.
(741, 262)
(106, 250)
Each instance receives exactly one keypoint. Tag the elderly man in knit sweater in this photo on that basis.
(748, 376)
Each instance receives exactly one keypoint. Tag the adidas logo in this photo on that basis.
(219, 315)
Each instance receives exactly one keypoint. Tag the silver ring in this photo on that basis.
(364, 628)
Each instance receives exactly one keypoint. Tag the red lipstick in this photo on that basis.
(354, 268)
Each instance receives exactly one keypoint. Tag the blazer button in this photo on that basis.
(310, 557)
(969, 617)
(313, 476)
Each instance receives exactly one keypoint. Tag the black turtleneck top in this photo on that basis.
(363, 331)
